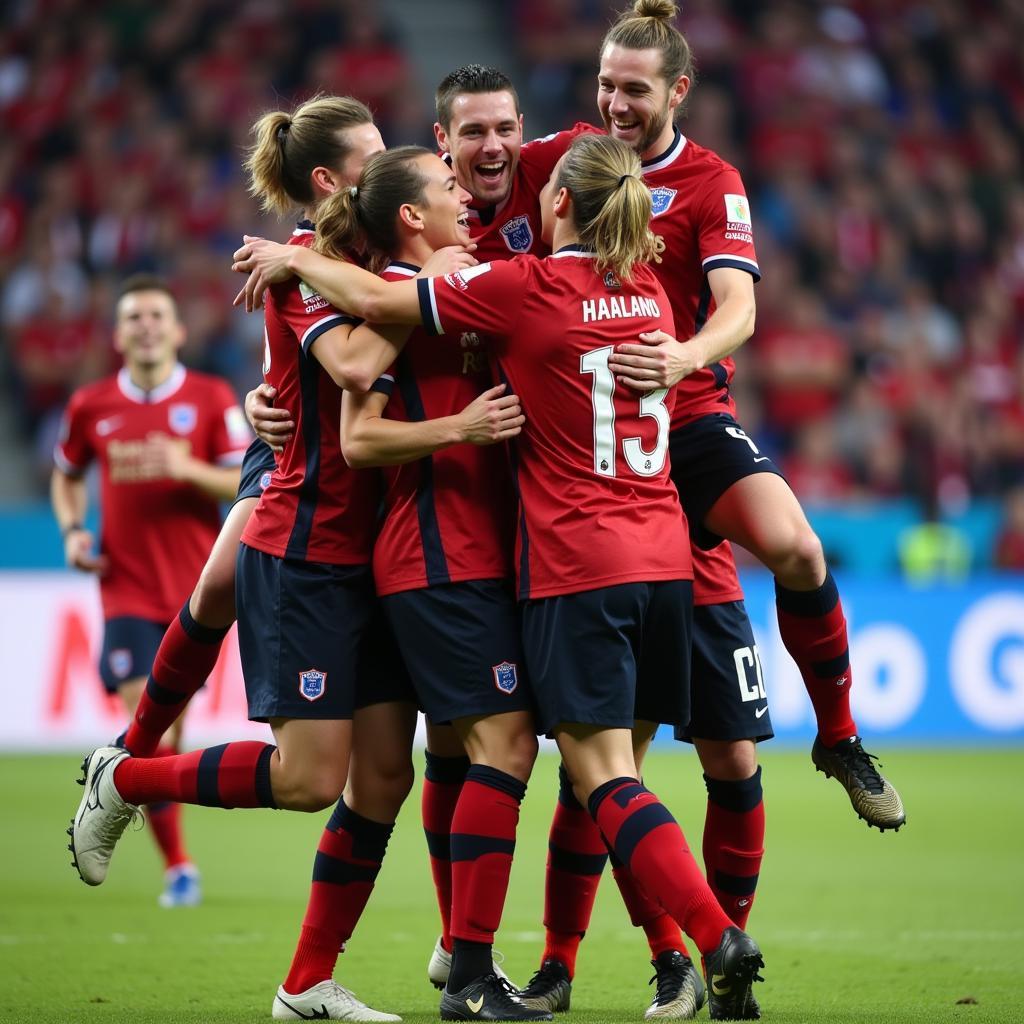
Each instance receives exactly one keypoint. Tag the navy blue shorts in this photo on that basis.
(257, 465)
(306, 636)
(726, 682)
(707, 457)
(461, 644)
(129, 649)
(610, 656)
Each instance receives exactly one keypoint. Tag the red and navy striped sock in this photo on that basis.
(576, 858)
(734, 843)
(662, 932)
(813, 628)
(442, 784)
(231, 775)
(482, 844)
(185, 658)
(346, 865)
(646, 838)
(164, 820)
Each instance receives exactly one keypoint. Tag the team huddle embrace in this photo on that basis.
(497, 471)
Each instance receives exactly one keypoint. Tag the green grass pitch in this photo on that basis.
(854, 925)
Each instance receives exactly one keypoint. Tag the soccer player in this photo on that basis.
(601, 565)
(442, 559)
(168, 441)
(308, 632)
(730, 489)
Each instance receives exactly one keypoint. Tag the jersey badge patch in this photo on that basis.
(611, 281)
(737, 209)
(505, 678)
(120, 659)
(312, 684)
(661, 200)
(518, 234)
(182, 418)
(265, 481)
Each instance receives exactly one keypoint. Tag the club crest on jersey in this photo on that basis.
(518, 234)
(505, 678)
(611, 281)
(182, 418)
(661, 199)
(265, 481)
(312, 683)
(120, 661)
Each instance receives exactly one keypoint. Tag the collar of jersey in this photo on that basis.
(669, 156)
(304, 227)
(133, 392)
(575, 250)
(397, 267)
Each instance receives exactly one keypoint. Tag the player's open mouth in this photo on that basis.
(625, 126)
(463, 219)
(492, 172)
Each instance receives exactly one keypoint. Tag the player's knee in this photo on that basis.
(313, 792)
(386, 785)
(213, 601)
(518, 754)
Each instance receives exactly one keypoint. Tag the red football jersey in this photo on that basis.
(512, 227)
(596, 505)
(315, 509)
(701, 212)
(449, 516)
(156, 532)
(714, 575)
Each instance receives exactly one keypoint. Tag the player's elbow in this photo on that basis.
(357, 450)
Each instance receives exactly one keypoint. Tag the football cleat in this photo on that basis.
(680, 991)
(440, 965)
(182, 888)
(731, 968)
(101, 817)
(326, 1000)
(488, 998)
(873, 798)
(550, 988)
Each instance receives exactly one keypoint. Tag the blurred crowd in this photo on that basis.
(882, 146)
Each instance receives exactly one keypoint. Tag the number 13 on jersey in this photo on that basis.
(641, 462)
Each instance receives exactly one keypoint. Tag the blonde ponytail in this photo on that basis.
(338, 231)
(288, 147)
(611, 204)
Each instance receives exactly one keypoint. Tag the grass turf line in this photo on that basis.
(854, 925)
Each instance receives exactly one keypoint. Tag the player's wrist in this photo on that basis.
(71, 528)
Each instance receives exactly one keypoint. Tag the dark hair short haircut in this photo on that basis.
(144, 283)
(472, 78)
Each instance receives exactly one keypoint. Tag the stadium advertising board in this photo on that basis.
(934, 665)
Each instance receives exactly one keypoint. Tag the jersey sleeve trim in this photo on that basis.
(64, 464)
(428, 306)
(731, 260)
(384, 384)
(322, 326)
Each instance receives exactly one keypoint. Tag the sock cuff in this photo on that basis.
(606, 789)
(448, 771)
(808, 603)
(494, 778)
(368, 837)
(739, 796)
(197, 631)
(264, 791)
(566, 796)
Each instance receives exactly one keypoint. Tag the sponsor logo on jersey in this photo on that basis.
(518, 234)
(120, 661)
(505, 678)
(661, 200)
(182, 417)
(109, 425)
(312, 683)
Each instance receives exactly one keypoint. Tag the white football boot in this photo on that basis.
(440, 966)
(326, 1001)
